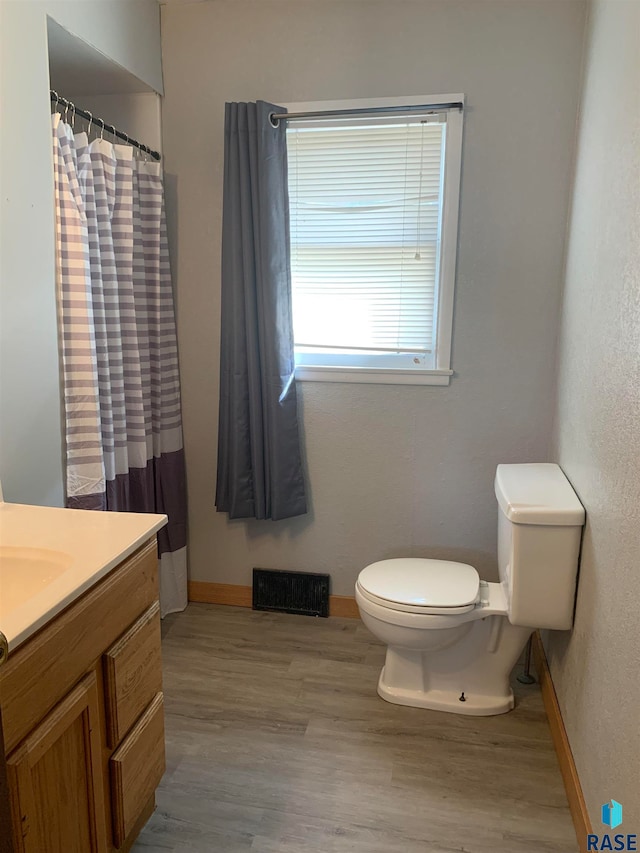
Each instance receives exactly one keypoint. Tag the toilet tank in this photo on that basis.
(540, 522)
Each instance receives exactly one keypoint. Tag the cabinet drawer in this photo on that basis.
(136, 769)
(133, 674)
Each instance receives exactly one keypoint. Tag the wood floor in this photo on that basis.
(278, 743)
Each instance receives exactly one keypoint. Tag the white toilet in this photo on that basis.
(454, 639)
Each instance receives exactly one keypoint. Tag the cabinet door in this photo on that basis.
(56, 781)
(6, 834)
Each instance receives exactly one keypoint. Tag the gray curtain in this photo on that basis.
(259, 458)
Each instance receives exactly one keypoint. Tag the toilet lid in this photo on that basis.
(421, 583)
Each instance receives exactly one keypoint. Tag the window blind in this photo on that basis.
(365, 219)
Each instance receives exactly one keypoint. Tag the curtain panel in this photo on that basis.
(260, 472)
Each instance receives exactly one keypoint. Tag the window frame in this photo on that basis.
(441, 372)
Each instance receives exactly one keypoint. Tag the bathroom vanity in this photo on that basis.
(80, 679)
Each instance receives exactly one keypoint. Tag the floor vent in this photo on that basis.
(291, 592)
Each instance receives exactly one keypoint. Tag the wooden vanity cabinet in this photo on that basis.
(6, 829)
(82, 718)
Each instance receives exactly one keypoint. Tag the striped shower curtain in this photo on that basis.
(121, 386)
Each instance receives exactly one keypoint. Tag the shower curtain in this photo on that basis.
(120, 379)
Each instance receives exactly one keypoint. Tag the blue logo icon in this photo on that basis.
(612, 817)
(612, 814)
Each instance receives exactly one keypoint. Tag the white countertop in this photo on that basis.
(50, 556)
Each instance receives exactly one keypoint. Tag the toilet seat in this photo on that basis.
(424, 586)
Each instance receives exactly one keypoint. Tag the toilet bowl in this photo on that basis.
(421, 604)
(454, 656)
(453, 639)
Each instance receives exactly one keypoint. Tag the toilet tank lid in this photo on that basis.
(537, 493)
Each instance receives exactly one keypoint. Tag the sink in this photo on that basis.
(24, 572)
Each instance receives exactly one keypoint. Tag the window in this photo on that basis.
(373, 220)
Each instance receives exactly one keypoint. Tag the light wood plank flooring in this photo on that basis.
(278, 743)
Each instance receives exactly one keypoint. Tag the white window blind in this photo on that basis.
(366, 201)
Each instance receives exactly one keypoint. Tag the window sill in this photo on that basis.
(374, 376)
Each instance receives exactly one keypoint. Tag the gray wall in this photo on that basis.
(597, 435)
(128, 31)
(391, 470)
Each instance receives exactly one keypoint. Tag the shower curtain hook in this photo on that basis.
(73, 115)
(53, 91)
(66, 111)
(90, 114)
(102, 129)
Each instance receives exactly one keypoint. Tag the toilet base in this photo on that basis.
(477, 705)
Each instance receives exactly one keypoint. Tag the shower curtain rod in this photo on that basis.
(85, 114)
(411, 108)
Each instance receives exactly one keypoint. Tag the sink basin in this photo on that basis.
(24, 572)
